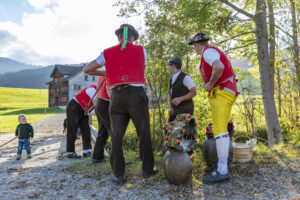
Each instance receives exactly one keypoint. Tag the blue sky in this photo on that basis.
(13, 10)
(44, 32)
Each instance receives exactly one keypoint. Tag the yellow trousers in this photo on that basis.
(221, 103)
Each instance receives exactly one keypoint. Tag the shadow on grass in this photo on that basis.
(7, 108)
(35, 111)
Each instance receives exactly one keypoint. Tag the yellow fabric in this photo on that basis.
(221, 103)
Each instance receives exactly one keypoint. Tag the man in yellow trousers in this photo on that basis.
(220, 83)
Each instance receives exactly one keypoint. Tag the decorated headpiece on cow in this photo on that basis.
(181, 134)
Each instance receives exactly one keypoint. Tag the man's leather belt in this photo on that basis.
(120, 87)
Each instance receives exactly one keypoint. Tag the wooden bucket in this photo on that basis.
(242, 152)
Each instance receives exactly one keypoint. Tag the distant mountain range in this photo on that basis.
(27, 78)
(9, 65)
(20, 75)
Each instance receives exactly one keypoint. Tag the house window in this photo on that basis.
(77, 87)
(52, 100)
(86, 77)
(64, 89)
(93, 78)
(64, 99)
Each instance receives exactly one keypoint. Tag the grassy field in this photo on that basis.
(31, 102)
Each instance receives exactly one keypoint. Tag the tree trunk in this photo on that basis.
(273, 128)
(279, 91)
(272, 42)
(296, 52)
(296, 45)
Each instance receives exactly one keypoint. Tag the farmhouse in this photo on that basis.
(66, 82)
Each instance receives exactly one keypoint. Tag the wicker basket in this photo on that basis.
(243, 152)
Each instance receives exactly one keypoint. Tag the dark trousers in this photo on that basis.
(125, 104)
(75, 119)
(26, 143)
(102, 113)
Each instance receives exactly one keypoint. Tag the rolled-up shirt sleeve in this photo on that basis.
(211, 55)
(145, 56)
(188, 82)
(100, 59)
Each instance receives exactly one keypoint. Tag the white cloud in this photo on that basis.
(40, 4)
(73, 31)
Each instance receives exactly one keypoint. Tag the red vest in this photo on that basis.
(102, 93)
(124, 67)
(83, 99)
(227, 79)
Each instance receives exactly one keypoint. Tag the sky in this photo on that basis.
(47, 32)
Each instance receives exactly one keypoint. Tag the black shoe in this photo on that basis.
(119, 180)
(74, 156)
(18, 158)
(208, 170)
(86, 155)
(29, 157)
(98, 161)
(147, 174)
(215, 177)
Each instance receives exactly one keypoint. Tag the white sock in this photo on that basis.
(86, 151)
(222, 145)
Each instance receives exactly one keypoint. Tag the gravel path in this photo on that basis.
(45, 176)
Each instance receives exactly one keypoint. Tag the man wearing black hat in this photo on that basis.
(181, 90)
(125, 68)
(219, 81)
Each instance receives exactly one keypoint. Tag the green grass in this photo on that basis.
(31, 102)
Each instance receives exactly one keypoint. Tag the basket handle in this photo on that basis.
(239, 136)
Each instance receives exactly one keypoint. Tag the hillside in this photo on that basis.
(31, 102)
(9, 65)
(30, 78)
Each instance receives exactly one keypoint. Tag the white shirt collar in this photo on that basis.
(174, 77)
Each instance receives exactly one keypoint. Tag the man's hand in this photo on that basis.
(176, 101)
(208, 87)
(30, 138)
(170, 110)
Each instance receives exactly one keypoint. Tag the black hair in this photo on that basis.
(178, 66)
(130, 34)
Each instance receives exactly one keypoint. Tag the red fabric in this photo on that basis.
(83, 99)
(206, 71)
(102, 92)
(124, 67)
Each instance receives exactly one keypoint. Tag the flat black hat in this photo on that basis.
(175, 61)
(130, 27)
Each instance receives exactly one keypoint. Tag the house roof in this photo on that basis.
(69, 70)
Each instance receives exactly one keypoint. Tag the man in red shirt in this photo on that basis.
(125, 71)
(101, 110)
(76, 117)
(220, 83)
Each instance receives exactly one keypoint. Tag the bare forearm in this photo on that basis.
(189, 95)
(92, 69)
(217, 71)
(97, 73)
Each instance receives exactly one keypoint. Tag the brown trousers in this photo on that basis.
(128, 102)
